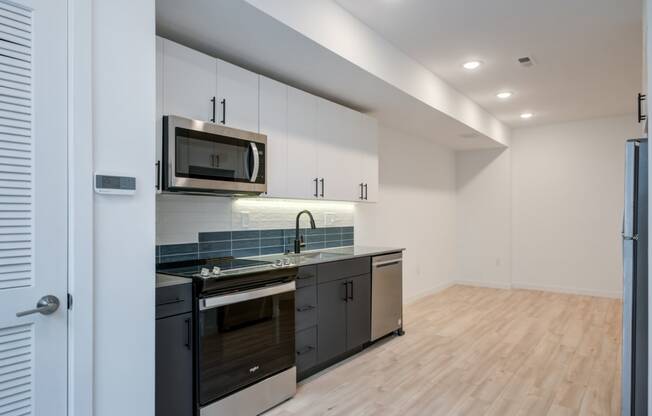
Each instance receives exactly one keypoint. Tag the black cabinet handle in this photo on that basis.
(366, 192)
(322, 187)
(346, 291)
(213, 101)
(308, 276)
(351, 295)
(305, 350)
(170, 302)
(641, 116)
(187, 322)
(305, 308)
(316, 187)
(223, 102)
(361, 191)
(158, 175)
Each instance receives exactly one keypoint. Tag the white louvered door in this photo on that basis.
(33, 205)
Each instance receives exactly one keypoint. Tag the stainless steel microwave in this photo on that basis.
(202, 157)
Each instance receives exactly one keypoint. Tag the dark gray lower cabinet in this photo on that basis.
(333, 314)
(331, 328)
(358, 312)
(174, 374)
(344, 321)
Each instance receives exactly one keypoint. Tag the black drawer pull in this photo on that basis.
(170, 302)
(305, 350)
(187, 322)
(305, 277)
(305, 308)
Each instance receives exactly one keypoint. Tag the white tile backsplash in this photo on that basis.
(179, 218)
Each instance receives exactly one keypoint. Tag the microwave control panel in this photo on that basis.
(115, 184)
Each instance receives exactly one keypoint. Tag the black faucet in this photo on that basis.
(298, 241)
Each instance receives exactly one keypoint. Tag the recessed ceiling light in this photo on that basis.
(503, 95)
(471, 65)
(526, 115)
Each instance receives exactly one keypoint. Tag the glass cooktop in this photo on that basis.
(208, 268)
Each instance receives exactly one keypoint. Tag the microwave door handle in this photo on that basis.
(256, 158)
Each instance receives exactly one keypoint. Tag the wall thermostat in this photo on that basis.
(115, 184)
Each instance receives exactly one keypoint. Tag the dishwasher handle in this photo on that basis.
(387, 263)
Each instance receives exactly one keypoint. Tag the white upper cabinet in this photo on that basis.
(274, 124)
(316, 149)
(189, 82)
(159, 111)
(368, 145)
(336, 155)
(302, 178)
(237, 92)
(201, 87)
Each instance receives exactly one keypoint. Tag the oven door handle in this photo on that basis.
(256, 158)
(229, 299)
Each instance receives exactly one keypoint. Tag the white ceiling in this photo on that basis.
(588, 53)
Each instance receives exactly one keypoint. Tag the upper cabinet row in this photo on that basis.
(316, 149)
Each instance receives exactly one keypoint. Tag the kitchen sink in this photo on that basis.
(318, 255)
(312, 256)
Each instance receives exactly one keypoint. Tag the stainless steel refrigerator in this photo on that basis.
(635, 285)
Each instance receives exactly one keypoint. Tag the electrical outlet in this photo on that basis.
(329, 218)
(244, 216)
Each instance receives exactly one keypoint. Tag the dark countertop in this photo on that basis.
(305, 259)
(333, 254)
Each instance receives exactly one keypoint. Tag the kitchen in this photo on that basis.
(299, 171)
(330, 207)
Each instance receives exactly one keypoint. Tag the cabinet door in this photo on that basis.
(331, 324)
(239, 90)
(174, 366)
(274, 124)
(336, 161)
(159, 108)
(189, 82)
(301, 144)
(358, 312)
(368, 142)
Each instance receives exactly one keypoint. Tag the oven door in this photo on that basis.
(206, 157)
(244, 337)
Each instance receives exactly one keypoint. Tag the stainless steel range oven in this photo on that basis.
(245, 350)
(201, 157)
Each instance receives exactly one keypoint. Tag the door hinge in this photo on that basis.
(69, 301)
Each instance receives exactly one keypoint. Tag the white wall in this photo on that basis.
(567, 205)
(483, 249)
(123, 129)
(415, 210)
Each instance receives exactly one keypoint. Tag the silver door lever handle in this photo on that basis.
(45, 306)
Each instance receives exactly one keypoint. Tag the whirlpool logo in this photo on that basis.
(253, 369)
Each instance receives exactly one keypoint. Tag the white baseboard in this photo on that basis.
(481, 283)
(428, 292)
(569, 290)
(515, 285)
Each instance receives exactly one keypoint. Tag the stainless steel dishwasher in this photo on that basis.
(386, 295)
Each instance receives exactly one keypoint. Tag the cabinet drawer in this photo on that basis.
(306, 343)
(328, 272)
(306, 276)
(173, 300)
(306, 307)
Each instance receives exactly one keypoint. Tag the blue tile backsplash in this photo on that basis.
(253, 243)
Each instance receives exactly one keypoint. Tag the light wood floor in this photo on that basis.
(477, 351)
